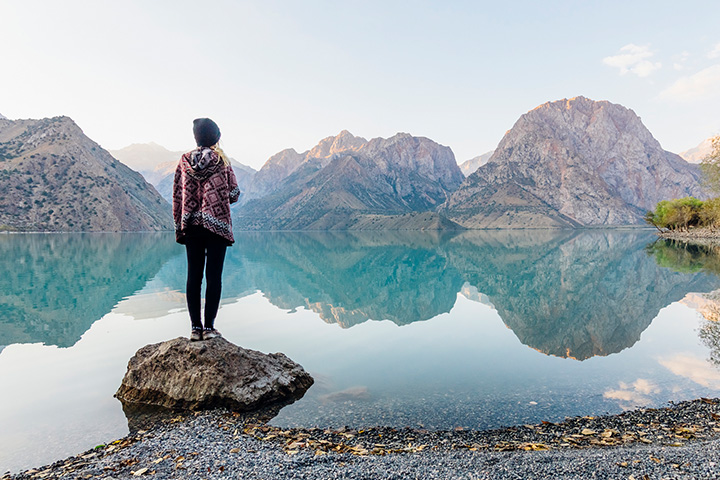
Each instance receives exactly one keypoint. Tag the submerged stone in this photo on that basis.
(180, 374)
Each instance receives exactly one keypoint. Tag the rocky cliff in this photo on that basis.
(572, 163)
(344, 179)
(284, 163)
(157, 164)
(54, 178)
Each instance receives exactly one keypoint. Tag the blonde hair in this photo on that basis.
(216, 148)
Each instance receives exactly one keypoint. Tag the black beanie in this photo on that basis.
(206, 132)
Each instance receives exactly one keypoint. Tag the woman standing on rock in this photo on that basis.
(204, 188)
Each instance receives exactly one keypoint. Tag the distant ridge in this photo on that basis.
(572, 163)
(698, 153)
(157, 164)
(468, 167)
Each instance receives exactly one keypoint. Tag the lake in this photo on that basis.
(435, 330)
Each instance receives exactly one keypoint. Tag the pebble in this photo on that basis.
(681, 441)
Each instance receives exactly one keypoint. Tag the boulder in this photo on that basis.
(180, 374)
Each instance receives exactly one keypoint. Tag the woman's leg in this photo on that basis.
(195, 249)
(213, 277)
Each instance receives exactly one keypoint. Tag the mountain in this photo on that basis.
(347, 182)
(157, 164)
(696, 154)
(151, 160)
(54, 178)
(282, 164)
(572, 163)
(469, 166)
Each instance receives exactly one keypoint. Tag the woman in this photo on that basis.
(204, 188)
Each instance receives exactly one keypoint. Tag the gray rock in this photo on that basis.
(215, 373)
(572, 163)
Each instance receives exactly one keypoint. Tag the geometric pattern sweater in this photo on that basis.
(203, 190)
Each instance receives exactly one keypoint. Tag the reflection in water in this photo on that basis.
(349, 278)
(573, 294)
(688, 257)
(564, 293)
(567, 294)
(55, 286)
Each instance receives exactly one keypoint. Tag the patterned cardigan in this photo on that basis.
(203, 190)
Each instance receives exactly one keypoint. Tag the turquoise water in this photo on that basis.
(472, 330)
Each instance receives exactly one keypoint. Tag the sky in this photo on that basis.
(282, 74)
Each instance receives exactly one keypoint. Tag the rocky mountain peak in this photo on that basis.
(359, 184)
(3, 117)
(288, 157)
(573, 162)
(341, 143)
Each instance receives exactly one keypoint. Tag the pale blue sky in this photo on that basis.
(279, 74)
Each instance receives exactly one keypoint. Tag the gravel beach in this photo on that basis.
(681, 441)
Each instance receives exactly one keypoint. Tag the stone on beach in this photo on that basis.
(180, 374)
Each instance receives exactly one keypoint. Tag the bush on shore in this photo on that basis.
(682, 214)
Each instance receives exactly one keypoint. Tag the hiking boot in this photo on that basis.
(210, 333)
(196, 334)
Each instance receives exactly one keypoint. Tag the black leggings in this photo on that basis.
(198, 248)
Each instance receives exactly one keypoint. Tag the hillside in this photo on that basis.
(572, 163)
(54, 178)
(344, 179)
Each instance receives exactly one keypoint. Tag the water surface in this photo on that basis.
(472, 330)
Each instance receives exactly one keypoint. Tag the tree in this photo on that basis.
(710, 213)
(710, 167)
(678, 214)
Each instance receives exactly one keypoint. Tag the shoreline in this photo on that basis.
(675, 440)
(701, 236)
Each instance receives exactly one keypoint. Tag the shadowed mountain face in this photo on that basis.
(55, 286)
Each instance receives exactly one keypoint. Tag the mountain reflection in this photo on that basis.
(565, 293)
(577, 294)
(55, 286)
(348, 278)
